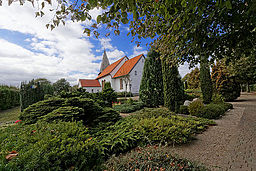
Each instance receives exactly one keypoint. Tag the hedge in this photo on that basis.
(9, 97)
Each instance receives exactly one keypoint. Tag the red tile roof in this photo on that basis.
(109, 68)
(89, 83)
(127, 66)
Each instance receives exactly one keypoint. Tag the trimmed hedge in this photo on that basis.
(195, 107)
(9, 97)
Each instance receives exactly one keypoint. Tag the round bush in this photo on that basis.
(184, 110)
(212, 111)
(195, 107)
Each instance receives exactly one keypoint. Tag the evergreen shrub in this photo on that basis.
(150, 158)
(184, 110)
(49, 146)
(195, 107)
(211, 111)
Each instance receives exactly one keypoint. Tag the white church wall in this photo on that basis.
(116, 84)
(92, 89)
(136, 75)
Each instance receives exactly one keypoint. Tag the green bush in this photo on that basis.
(68, 109)
(108, 94)
(184, 110)
(119, 137)
(150, 158)
(227, 106)
(49, 146)
(31, 114)
(195, 107)
(67, 113)
(124, 94)
(190, 96)
(211, 111)
(128, 107)
(152, 112)
(9, 97)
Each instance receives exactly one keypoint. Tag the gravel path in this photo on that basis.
(231, 145)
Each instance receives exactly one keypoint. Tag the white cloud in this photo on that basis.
(53, 55)
(137, 50)
(105, 43)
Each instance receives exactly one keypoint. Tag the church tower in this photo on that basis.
(104, 62)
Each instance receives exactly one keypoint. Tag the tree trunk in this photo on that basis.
(248, 87)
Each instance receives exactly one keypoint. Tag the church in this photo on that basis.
(124, 75)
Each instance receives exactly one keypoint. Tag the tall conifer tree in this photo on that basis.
(173, 86)
(151, 87)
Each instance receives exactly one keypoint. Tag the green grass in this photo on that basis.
(9, 115)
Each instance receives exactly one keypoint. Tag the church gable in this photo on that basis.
(127, 66)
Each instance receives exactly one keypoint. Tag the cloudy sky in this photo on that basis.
(29, 50)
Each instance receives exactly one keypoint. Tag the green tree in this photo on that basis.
(192, 79)
(205, 80)
(244, 70)
(224, 82)
(108, 94)
(61, 85)
(173, 86)
(151, 87)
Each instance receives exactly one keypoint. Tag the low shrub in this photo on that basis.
(67, 113)
(227, 106)
(190, 96)
(150, 158)
(31, 114)
(211, 111)
(119, 137)
(195, 107)
(184, 110)
(49, 146)
(129, 107)
(68, 109)
(152, 112)
(124, 94)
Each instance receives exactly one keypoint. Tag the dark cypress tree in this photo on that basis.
(151, 87)
(173, 86)
(205, 80)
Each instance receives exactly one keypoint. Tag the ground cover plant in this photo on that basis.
(128, 106)
(48, 146)
(9, 115)
(150, 158)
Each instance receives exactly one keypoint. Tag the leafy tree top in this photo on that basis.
(183, 29)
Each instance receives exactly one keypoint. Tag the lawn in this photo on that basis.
(9, 115)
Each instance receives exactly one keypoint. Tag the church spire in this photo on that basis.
(104, 62)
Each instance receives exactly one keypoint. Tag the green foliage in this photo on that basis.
(108, 94)
(124, 94)
(54, 146)
(151, 87)
(224, 83)
(69, 109)
(129, 107)
(31, 114)
(205, 80)
(61, 85)
(184, 109)
(211, 111)
(173, 86)
(152, 112)
(67, 113)
(119, 137)
(192, 79)
(195, 107)
(34, 91)
(9, 97)
(150, 158)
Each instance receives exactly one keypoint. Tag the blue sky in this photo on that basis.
(28, 50)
